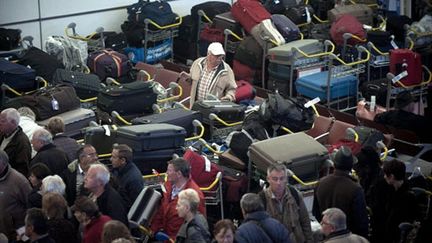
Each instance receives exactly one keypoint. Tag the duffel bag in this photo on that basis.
(9, 39)
(109, 63)
(159, 12)
(86, 85)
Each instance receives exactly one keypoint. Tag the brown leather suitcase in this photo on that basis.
(228, 159)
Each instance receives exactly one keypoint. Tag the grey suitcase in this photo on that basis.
(267, 30)
(74, 121)
(145, 206)
(151, 136)
(284, 54)
(362, 12)
(301, 153)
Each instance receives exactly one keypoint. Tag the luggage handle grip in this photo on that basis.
(179, 18)
(372, 46)
(360, 61)
(74, 34)
(197, 124)
(214, 117)
(230, 32)
(172, 85)
(120, 118)
(201, 13)
(347, 36)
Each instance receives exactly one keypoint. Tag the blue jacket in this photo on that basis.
(130, 181)
(259, 227)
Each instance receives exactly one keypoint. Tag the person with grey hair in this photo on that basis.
(284, 203)
(47, 153)
(53, 183)
(258, 226)
(14, 141)
(333, 226)
(28, 124)
(107, 198)
(14, 188)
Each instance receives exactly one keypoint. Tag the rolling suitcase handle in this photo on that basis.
(197, 125)
(176, 24)
(327, 43)
(172, 97)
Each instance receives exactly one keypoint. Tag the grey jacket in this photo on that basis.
(195, 231)
(345, 236)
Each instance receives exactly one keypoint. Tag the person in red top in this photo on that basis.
(87, 213)
(167, 219)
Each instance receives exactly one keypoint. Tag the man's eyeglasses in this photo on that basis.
(91, 155)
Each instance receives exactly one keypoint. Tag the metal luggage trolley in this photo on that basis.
(160, 33)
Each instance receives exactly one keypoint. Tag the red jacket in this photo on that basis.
(93, 231)
(166, 219)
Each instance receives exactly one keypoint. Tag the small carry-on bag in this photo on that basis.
(44, 64)
(285, 54)
(301, 153)
(179, 117)
(86, 85)
(286, 27)
(249, 13)
(151, 136)
(108, 63)
(145, 206)
(409, 64)
(127, 99)
(362, 12)
(265, 32)
(74, 121)
(17, 76)
(225, 110)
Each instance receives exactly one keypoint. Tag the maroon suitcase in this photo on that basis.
(108, 63)
(249, 13)
(211, 34)
(406, 60)
(243, 71)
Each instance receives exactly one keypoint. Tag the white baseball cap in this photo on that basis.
(216, 49)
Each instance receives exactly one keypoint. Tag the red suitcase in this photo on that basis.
(243, 71)
(249, 13)
(406, 60)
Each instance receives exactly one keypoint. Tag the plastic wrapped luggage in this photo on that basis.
(151, 136)
(179, 117)
(402, 60)
(17, 76)
(127, 99)
(362, 12)
(86, 85)
(286, 27)
(298, 151)
(249, 13)
(225, 110)
(74, 120)
(266, 31)
(315, 85)
(285, 54)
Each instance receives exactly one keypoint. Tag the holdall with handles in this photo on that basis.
(288, 29)
(362, 12)
(249, 13)
(244, 91)
(147, 137)
(299, 152)
(402, 60)
(17, 76)
(300, 14)
(86, 85)
(48, 102)
(284, 54)
(265, 32)
(159, 12)
(9, 39)
(132, 98)
(109, 63)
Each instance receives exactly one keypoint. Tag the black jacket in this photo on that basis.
(19, 151)
(56, 159)
(130, 181)
(111, 204)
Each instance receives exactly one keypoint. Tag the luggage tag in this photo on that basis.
(107, 130)
(207, 162)
(393, 43)
(54, 104)
(308, 16)
(402, 75)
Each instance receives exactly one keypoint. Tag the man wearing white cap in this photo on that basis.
(211, 75)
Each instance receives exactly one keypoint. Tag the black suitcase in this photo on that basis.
(211, 9)
(151, 136)
(127, 99)
(147, 161)
(279, 78)
(249, 52)
(17, 76)
(225, 110)
(101, 137)
(278, 7)
(179, 117)
(86, 85)
(300, 14)
(9, 39)
(226, 21)
(43, 63)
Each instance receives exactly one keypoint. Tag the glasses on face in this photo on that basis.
(275, 179)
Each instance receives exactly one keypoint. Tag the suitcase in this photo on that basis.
(145, 206)
(151, 136)
(244, 91)
(226, 21)
(127, 99)
(298, 151)
(159, 12)
(243, 71)
(86, 85)
(225, 110)
(249, 52)
(406, 60)
(380, 39)
(108, 63)
(228, 159)
(315, 85)
(286, 27)
(17, 76)
(249, 13)
(9, 39)
(179, 117)
(300, 14)
(395, 24)
(44, 64)
(278, 7)
(203, 171)
(147, 161)
(361, 11)
(347, 24)
(279, 78)
(74, 120)
(211, 9)
(101, 137)
(266, 31)
(284, 54)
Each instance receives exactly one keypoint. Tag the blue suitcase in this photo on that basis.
(315, 85)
